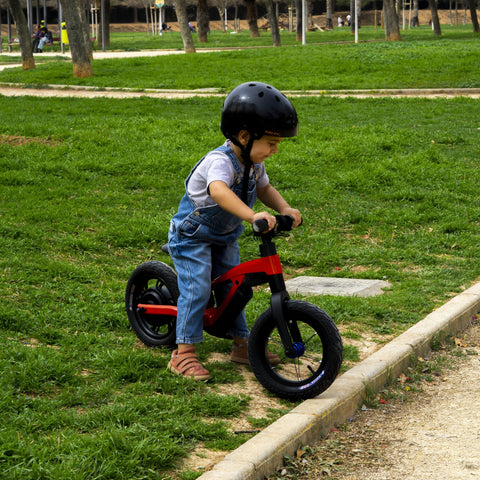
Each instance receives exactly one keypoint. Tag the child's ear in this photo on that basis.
(243, 137)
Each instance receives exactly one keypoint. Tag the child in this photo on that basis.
(220, 192)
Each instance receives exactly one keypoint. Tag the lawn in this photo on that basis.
(388, 190)
(420, 61)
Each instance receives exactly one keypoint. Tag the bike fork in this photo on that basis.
(289, 333)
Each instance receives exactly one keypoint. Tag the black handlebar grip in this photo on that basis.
(259, 226)
(284, 223)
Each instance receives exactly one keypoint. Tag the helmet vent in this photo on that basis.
(261, 94)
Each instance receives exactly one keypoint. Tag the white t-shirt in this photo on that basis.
(217, 166)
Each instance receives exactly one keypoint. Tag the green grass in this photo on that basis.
(420, 61)
(388, 190)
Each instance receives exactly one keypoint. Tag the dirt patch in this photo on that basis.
(17, 140)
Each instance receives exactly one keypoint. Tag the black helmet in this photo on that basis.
(260, 109)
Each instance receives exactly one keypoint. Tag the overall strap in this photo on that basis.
(248, 164)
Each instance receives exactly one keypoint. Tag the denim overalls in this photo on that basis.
(203, 245)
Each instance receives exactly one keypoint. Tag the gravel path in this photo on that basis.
(434, 435)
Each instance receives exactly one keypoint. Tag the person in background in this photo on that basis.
(46, 39)
(36, 39)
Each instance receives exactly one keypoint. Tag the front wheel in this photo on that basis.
(318, 347)
(152, 283)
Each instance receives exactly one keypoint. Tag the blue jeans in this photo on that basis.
(197, 264)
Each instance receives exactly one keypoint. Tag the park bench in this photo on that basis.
(15, 42)
(56, 41)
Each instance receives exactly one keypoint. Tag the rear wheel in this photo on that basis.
(152, 283)
(317, 358)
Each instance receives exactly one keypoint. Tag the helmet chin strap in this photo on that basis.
(246, 150)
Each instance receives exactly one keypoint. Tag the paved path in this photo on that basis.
(15, 90)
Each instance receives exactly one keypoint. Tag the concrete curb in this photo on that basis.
(305, 424)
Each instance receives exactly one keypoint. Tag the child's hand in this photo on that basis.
(266, 216)
(294, 213)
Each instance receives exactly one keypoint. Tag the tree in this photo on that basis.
(106, 27)
(23, 33)
(273, 20)
(355, 5)
(221, 7)
(203, 22)
(415, 22)
(473, 14)
(78, 36)
(252, 18)
(392, 28)
(435, 20)
(330, 10)
(299, 11)
(181, 11)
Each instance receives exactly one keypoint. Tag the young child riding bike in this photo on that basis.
(220, 193)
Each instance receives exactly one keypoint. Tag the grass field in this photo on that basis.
(387, 187)
(420, 61)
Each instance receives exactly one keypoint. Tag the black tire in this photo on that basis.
(153, 283)
(314, 370)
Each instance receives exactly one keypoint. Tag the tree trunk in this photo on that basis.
(299, 12)
(78, 37)
(330, 10)
(415, 22)
(272, 18)
(221, 14)
(435, 20)
(309, 15)
(108, 9)
(24, 35)
(252, 18)
(352, 14)
(181, 11)
(473, 14)
(392, 28)
(203, 24)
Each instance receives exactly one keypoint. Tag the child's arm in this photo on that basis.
(226, 199)
(270, 197)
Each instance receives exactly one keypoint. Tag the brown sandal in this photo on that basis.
(240, 355)
(187, 365)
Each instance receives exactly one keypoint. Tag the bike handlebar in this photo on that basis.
(284, 224)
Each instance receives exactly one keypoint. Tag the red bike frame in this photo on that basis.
(265, 266)
(266, 269)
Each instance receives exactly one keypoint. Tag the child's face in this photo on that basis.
(264, 148)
